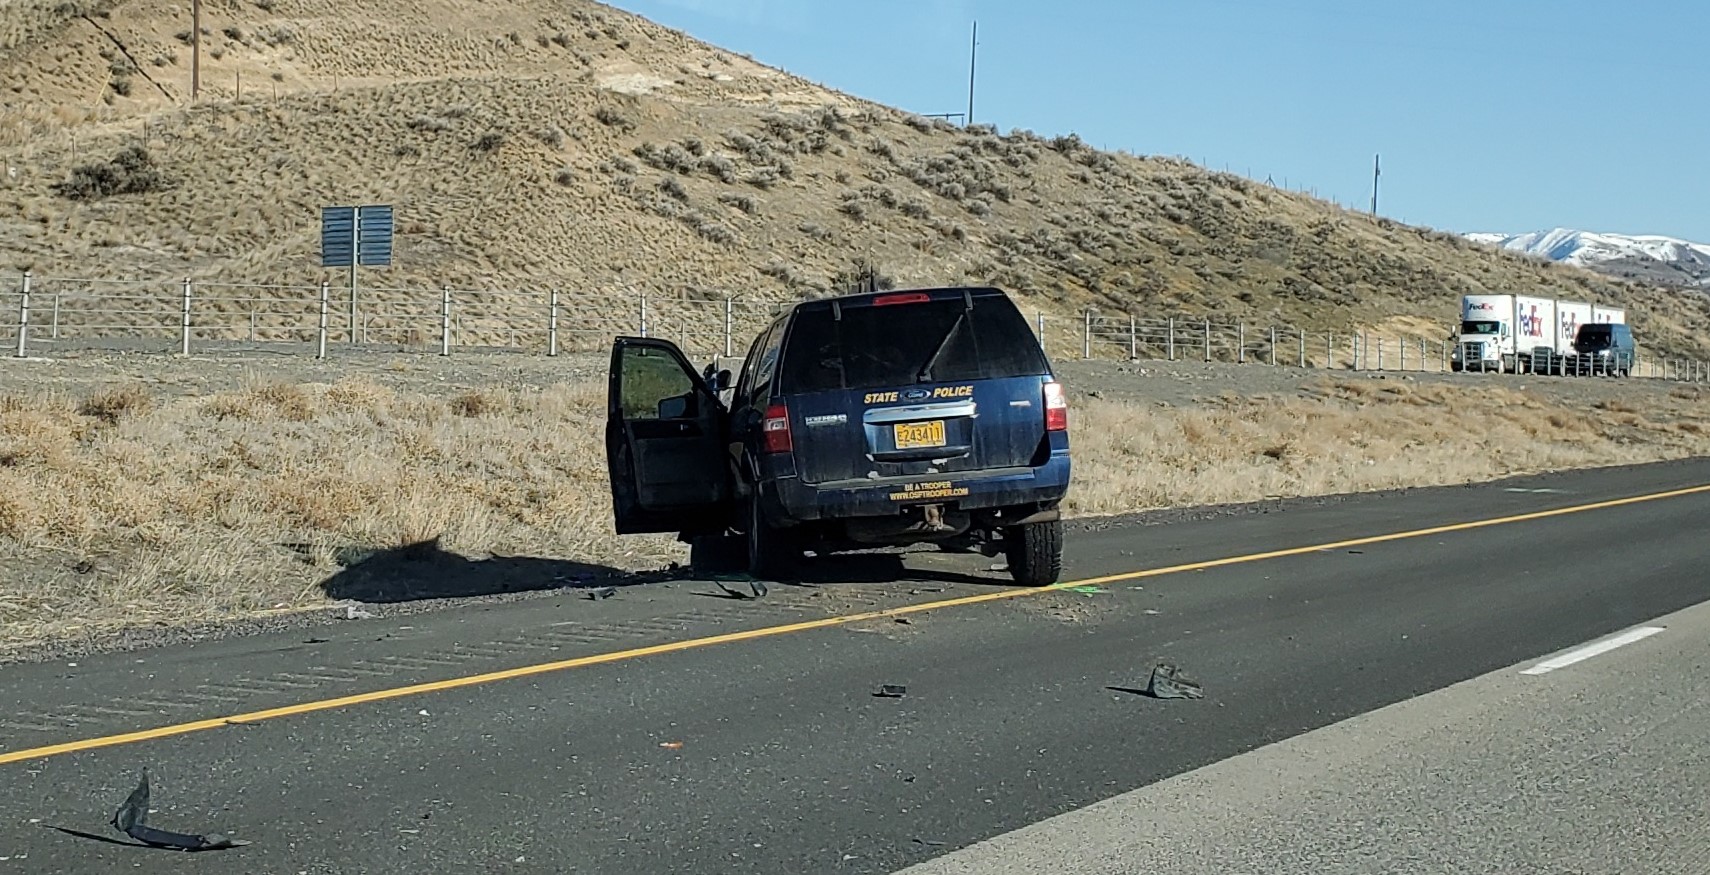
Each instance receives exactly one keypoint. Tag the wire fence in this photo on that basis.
(57, 312)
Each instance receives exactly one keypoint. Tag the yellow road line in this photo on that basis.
(771, 631)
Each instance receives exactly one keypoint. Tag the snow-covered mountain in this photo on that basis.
(1647, 257)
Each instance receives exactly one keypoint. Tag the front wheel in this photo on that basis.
(1035, 553)
(773, 553)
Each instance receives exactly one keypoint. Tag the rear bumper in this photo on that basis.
(789, 500)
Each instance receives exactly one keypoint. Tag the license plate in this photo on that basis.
(915, 435)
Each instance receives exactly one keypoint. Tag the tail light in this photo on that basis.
(776, 429)
(1056, 408)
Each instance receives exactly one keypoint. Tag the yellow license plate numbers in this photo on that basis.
(916, 435)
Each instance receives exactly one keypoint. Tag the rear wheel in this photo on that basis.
(1035, 553)
(773, 553)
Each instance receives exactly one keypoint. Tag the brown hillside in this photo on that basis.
(530, 144)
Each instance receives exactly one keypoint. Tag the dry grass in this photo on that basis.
(125, 507)
(1351, 436)
(561, 117)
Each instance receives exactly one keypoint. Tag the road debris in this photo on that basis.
(755, 586)
(671, 745)
(1168, 683)
(352, 612)
(602, 593)
(130, 820)
(891, 691)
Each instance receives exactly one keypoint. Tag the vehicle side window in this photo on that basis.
(768, 363)
(655, 386)
(745, 380)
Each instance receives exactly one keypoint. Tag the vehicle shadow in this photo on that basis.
(874, 568)
(424, 571)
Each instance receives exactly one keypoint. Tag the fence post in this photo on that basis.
(1240, 343)
(55, 334)
(1273, 346)
(24, 318)
(184, 334)
(1208, 339)
(321, 338)
(552, 323)
(1421, 355)
(1402, 345)
(1171, 339)
(1039, 320)
(729, 323)
(644, 315)
(1302, 333)
(445, 320)
(1133, 339)
(1445, 362)
(1086, 335)
(1329, 350)
(1380, 353)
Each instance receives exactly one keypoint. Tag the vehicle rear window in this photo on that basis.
(872, 347)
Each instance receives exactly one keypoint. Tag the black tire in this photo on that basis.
(1035, 553)
(717, 554)
(772, 553)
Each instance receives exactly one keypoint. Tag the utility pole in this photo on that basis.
(973, 57)
(1375, 173)
(195, 48)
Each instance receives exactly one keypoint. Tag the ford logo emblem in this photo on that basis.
(916, 395)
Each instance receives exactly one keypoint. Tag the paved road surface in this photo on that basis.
(767, 753)
(1600, 766)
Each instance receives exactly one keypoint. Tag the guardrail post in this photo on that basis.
(1171, 339)
(184, 334)
(729, 324)
(1380, 353)
(1421, 355)
(1039, 322)
(326, 306)
(1273, 346)
(1208, 340)
(1133, 339)
(1240, 343)
(55, 334)
(1302, 336)
(552, 323)
(24, 318)
(1402, 345)
(1445, 345)
(1086, 336)
(445, 320)
(1329, 350)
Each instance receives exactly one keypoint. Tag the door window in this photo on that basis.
(653, 385)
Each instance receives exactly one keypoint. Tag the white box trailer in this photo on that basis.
(1615, 315)
(1569, 316)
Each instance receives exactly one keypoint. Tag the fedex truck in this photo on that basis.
(1502, 333)
(1519, 333)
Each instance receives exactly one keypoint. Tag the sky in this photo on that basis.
(1495, 115)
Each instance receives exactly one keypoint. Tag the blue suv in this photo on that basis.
(882, 419)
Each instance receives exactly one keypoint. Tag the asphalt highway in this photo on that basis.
(572, 735)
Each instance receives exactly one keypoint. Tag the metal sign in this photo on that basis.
(360, 233)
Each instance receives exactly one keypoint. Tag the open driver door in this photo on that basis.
(665, 447)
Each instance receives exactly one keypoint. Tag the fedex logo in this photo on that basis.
(1531, 324)
(1481, 307)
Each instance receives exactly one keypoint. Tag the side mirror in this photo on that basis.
(674, 408)
(722, 381)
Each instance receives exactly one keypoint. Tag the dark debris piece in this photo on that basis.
(755, 586)
(891, 691)
(1168, 683)
(131, 819)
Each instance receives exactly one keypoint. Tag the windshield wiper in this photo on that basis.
(925, 372)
